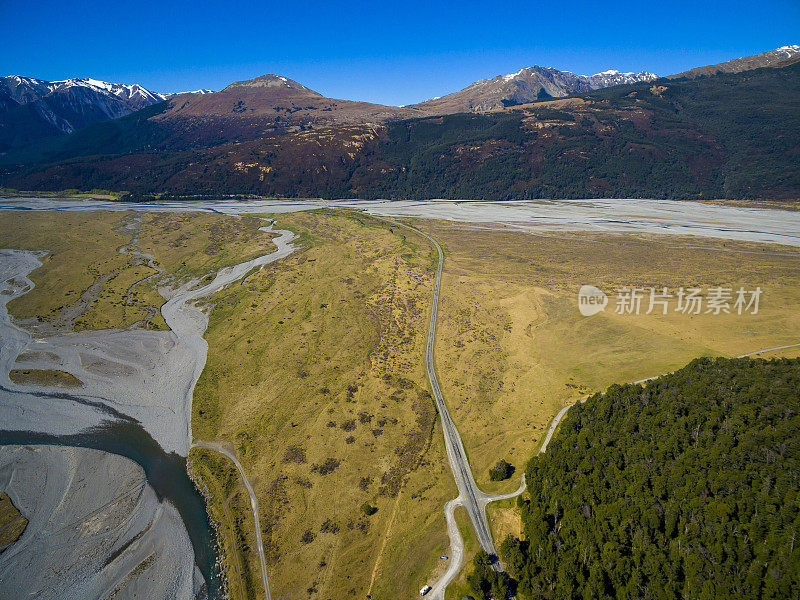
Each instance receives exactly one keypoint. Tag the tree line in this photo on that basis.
(686, 487)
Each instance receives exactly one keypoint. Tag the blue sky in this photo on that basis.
(393, 53)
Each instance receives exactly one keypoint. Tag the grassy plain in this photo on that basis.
(512, 348)
(315, 374)
(198, 243)
(12, 523)
(316, 378)
(80, 246)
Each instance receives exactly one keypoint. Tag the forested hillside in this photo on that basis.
(731, 136)
(687, 487)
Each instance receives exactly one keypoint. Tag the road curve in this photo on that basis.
(253, 504)
(437, 590)
(768, 350)
(554, 425)
(456, 551)
(470, 496)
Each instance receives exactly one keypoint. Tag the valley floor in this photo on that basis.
(315, 376)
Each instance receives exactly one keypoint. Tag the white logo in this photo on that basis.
(591, 300)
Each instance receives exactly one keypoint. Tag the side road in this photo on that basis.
(253, 504)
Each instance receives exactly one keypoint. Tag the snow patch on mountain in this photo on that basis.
(571, 80)
(200, 92)
(71, 104)
(511, 76)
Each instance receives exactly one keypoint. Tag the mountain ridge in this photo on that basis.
(29, 89)
(727, 135)
(732, 135)
(527, 85)
(772, 58)
(32, 109)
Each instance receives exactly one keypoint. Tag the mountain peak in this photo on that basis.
(271, 81)
(511, 76)
(527, 85)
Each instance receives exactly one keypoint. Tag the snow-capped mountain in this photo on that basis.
(32, 109)
(614, 77)
(789, 51)
(527, 85)
(201, 92)
(72, 104)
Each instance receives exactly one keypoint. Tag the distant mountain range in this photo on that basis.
(732, 133)
(527, 85)
(76, 98)
(32, 109)
(168, 95)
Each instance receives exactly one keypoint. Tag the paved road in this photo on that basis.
(253, 505)
(470, 496)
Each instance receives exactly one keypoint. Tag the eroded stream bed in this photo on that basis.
(138, 406)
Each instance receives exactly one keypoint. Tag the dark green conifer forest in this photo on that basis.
(686, 487)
